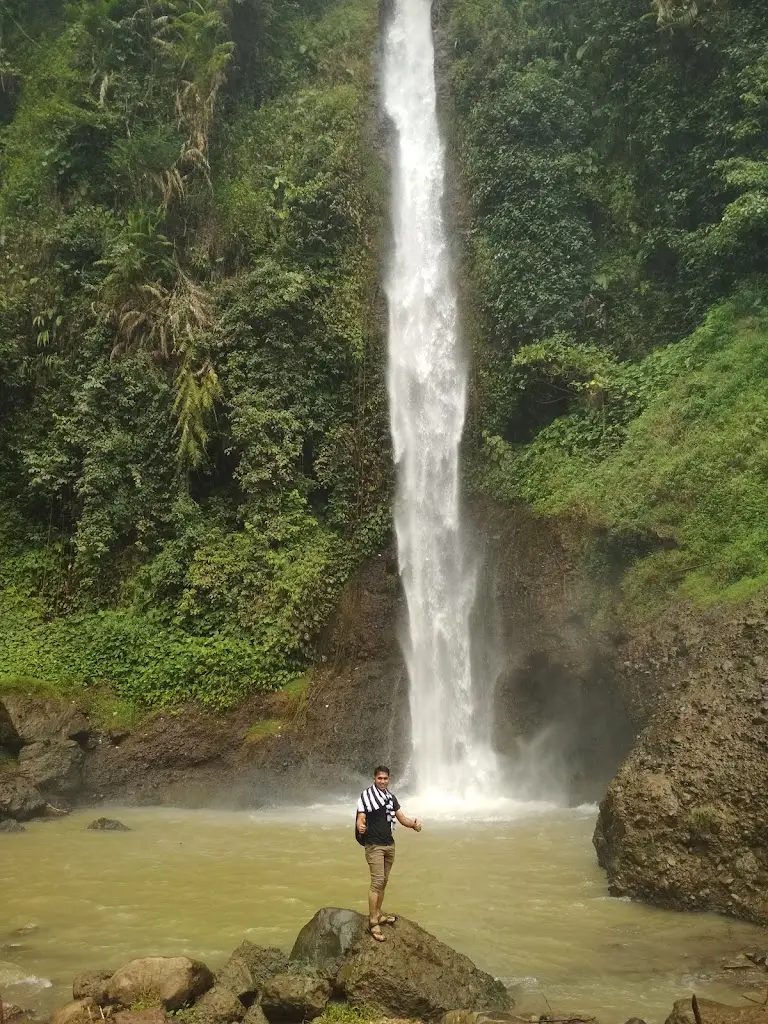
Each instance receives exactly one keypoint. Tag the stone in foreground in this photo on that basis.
(294, 997)
(54, 766)
(328, 936)
(81, 1011)
(173, 981)
(19, 799)
(415, 975)
(107, 825)
(716, 1013)
(219, 1006)
(249, 968)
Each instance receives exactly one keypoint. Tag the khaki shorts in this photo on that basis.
(380, 860)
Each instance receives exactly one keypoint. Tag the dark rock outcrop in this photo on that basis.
(684, 822)
(249, 968)
(173, 981)
(37, 720)
(291, 998)
(54, 766)
(19, 798)
(415, 975)
(107, 825)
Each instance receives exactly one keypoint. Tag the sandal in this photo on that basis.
(388, 919)
(372, 926)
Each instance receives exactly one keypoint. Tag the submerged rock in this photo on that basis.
(11, 826)
(249, 968)
(328, 936)
(294, 998)
(173, 981)
(54, 766)
(107, 825)
(19, 799)
(415, 975)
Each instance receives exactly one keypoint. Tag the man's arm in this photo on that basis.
(413, 823)
(361, 823)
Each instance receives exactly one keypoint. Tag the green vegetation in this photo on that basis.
(193, 451)
(261, 730)
(615, 165)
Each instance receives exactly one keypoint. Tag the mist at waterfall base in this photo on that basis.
(453, 766)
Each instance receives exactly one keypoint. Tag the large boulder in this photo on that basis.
(415, 975)
(19, 799)
(92, 985)
(715, 1013)
(328, 937)
(219, 1006)
(35, 720)
(249, 968)
(55, 766)
(173, 981)
(294, 998)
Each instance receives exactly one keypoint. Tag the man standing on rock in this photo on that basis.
(377, 812)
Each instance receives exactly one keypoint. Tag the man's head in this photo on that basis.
(381, 776)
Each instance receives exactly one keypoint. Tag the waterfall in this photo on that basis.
(427, 392)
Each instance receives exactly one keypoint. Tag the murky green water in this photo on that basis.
(523, 898)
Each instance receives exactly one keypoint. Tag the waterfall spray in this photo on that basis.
(427, 391)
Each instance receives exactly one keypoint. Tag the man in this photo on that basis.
(377, 811)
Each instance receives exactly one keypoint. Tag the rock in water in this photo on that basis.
(294, 997)
(715, 1013)
(219, 1006)
(415, 975)
(11, 826)
(81, 1011)
(328, 936)
(55, 766)
(107, 825)
(249, 968)
(93, 985)
(19, 799)
(174, 981)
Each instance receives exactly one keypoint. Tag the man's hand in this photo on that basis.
(416, 825)
(362, 826)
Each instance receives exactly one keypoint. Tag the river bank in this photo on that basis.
(522, 898)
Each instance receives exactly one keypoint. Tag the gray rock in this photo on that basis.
(37, 720)
(19, 799)
(255, 1015)
(81, 1011)
(328, 936)
(9, 738)
(11, 826)
(55, 766)
(415, 975)
(249, 968)
(174, 981)
(107, 825)
(294, 998)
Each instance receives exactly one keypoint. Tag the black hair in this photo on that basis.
(381, 768)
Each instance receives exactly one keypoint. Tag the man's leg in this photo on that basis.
(375, 857)
(388, 854)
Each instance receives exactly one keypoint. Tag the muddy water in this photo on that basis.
(524, 898)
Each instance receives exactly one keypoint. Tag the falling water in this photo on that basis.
(427, 389)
